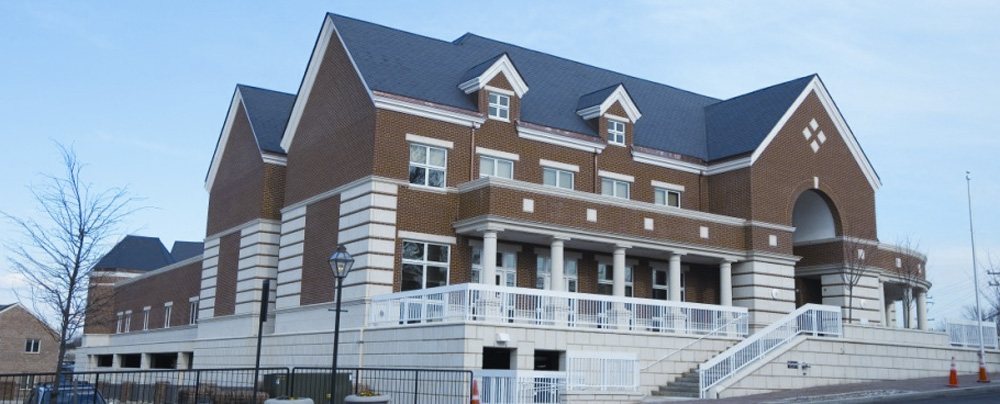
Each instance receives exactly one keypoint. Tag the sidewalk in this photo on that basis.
(859, 392)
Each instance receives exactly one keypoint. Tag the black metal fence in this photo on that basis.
(236, 386)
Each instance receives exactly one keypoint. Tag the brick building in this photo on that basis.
(571, 202)
(27, 344)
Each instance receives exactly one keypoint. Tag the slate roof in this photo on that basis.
(183, 250)
(268, 112)
(5, 306)
(673, 120)
(596, 97)
(136, 253)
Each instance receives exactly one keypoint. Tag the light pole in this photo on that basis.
(975, 279)
(341, 262)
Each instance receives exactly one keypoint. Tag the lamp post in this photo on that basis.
(983, 378)
(341, 262)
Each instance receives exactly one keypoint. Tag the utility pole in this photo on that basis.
(975, 279)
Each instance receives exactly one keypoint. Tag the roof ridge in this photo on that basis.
(469, 35)
(388, 27)
(760, 90)
(240, 85)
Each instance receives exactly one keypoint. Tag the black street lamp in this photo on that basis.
(341, 263)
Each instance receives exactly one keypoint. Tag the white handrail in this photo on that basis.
(674, 352)
(809, 319)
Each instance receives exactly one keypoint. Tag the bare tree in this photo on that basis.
(858, 253)
(911, 271)
(990, 292)
(58, 250)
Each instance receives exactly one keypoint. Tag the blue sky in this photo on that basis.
(141, 90)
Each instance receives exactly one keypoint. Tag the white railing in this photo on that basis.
(473, 302)
(520, 386)
(964, 333)
(602, 371)
(809, 319)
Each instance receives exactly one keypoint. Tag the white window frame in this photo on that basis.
(571, 270)
(128, 321)
(32, 345)
(427, 166)
(498, 106)
(609, 268)
(424, 263)
(496, 162)
(168, 310)
(121, 322)
(616, 132)
(193, 304)
(614, 182)
(664, 200)
(666, 285)
(145, 318)
(506, 269)
(558, 175)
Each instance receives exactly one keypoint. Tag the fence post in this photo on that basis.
(416, 385)
(815, 322)
(197, 385)
(291, 383)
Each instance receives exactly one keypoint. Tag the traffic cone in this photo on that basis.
(475, 392)
(983, 378)
(952, 378)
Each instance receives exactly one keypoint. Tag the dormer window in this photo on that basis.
(499, 106)
(616, 132)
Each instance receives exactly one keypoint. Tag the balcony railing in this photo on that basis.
(478, 303)
(964, 333)
(521, 386)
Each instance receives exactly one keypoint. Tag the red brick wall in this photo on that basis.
(322, 222)
(236, 195)
(177, 285)
(228, 271)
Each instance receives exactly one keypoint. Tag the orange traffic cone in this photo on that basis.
(475, 392)
(983, 378)
(952, 378)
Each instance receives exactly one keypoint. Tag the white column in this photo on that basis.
(674, 275)
(489, 272)
(922, 309)
(907, 300)
(618, 288)
(557, 282)
(726, 283)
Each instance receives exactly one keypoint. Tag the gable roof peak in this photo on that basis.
(479, 75)
(597, 103)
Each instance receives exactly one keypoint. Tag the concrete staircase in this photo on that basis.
(684, 386)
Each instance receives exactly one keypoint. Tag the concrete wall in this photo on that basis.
(865, 354)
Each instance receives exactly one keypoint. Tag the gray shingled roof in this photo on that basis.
(268, 112)
(183, 250)
(673, 120)
(136, 253)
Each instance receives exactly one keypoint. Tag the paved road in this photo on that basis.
(983, 397)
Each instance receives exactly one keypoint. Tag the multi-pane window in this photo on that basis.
(506, 268)
(605, 279)
(428, 165)
(145, 319)
(555, 177)
(193, 316)
(616, 132)
(128, 321)
(121, 323)
(499, 107)
(32, 345)
(667, 197)
(425, 265)
(168, 309)
(495, 167)
(544, 274)
(615, 188)
(661, 286)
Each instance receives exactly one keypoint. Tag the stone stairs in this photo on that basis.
(687, 385)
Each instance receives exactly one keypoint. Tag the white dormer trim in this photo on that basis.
(815, 85)
(502, 65)
(309, 79)
(619, 95)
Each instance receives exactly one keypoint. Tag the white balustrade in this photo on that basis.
(809, 319)
(602, 371)
(473, 302)
(520, 386)
(964, 333)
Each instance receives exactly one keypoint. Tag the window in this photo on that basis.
(193, 316)
(605, 279)
(168, 309)
(544, 273)
(428, 165)
(32, 345)
(128, 321)
(615, 188)
(145, 318)
(121, 323)
(425, 265)
(506, 267)
(499, 106)
(495, 167)
(667, 197)
(555, 177)
(616, 132)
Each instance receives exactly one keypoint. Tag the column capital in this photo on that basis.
(622, 246)
(561, 238)
(490, 228)
(728, 261)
